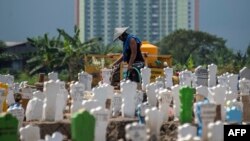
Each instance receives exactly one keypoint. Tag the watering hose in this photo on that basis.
(138, 72)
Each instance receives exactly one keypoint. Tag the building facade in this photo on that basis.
(150, 20)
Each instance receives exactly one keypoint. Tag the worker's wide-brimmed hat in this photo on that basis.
(118, 32)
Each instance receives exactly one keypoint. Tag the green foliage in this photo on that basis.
(24, 76)
(190, 63)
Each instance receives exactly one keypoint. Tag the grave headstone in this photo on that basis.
(136, 132)
(8, 127)
(151, 95)
(223, 80)
(82, 126)
(186, 129)
(201, 93)
(185, 78)
(244, 86)
(138, 98)
(60, 103)
(56, 136)
(168, 72)
(165, 98)
(219, 96)
(9, 79)
(116, 105)
(29, 133)
(233, 83)
(128, 92)
(154, 121)
(216, 131)
(212, 71)
(38, 94)
(90, 104)
(34, 109)
(101, 122)
(186, 94)
(51, 89)
(102, 93)
(201, 74)
(176, 98)
(146, 74)
(208, 113)
(160, 82)
(106, 73)
(77, 92)
(53, 76)
(85, 79)
(245, 73)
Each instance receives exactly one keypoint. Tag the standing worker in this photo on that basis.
(131, 53)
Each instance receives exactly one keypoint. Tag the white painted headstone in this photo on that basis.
(106, 73)
(29, 133)
(223, 80)
(146, 74)
(60, 103)
(128, 92)
(212, 71)
(202, 90)
(9, 79)
(90, 104)
(116, 104)
(85, 79)
(77, 91)
(201, 76)
(245, 73)
(154, 121)
(168, 72)
(102, 116)
(244, 86)
(185, 78)
(34, 109)
(208, 113)
(38, 94)
(186, 129)
(136, 132)
(219, 96)
(53, 76)
(160, 82)
(27, 93)
(176, 98)
(51, 89)
(233, 83)
(138, 98)
(56, 136)
(151, 94)
(164, 97)
(102, 93)
(216, 131)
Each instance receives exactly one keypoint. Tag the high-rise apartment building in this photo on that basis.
(149, 19)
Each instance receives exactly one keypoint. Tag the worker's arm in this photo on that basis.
(118, 61)
(133, 48)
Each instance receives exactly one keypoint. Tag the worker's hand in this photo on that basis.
(130, 67)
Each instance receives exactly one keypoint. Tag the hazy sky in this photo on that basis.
(229, 19)
(19, 19)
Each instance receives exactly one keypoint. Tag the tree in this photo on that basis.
(45, 59)
(203, 47)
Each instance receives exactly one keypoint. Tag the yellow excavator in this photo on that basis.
(154, 61)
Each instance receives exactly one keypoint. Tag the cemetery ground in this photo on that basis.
(197, 108)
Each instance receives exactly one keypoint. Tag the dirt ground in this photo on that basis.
(115, 129)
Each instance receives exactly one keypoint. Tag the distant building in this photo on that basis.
(151, 20)
(20, 50)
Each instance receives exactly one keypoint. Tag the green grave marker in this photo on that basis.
(186, 95)
(8, 127)
(83, 126)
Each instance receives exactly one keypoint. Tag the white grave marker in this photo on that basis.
(165, 97)
(151, 94)
(245, 73)
(53, 76)
(102, 116)
(168, 72)
(201, 76)
(29, 133)
(216, 131)
(146, 74)
(85, 79)
(34, 109)
(154, 121)
(106, 73)
(186, 129)
(212, 71)
(176, 98)
(136, 132)
(116, 104)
